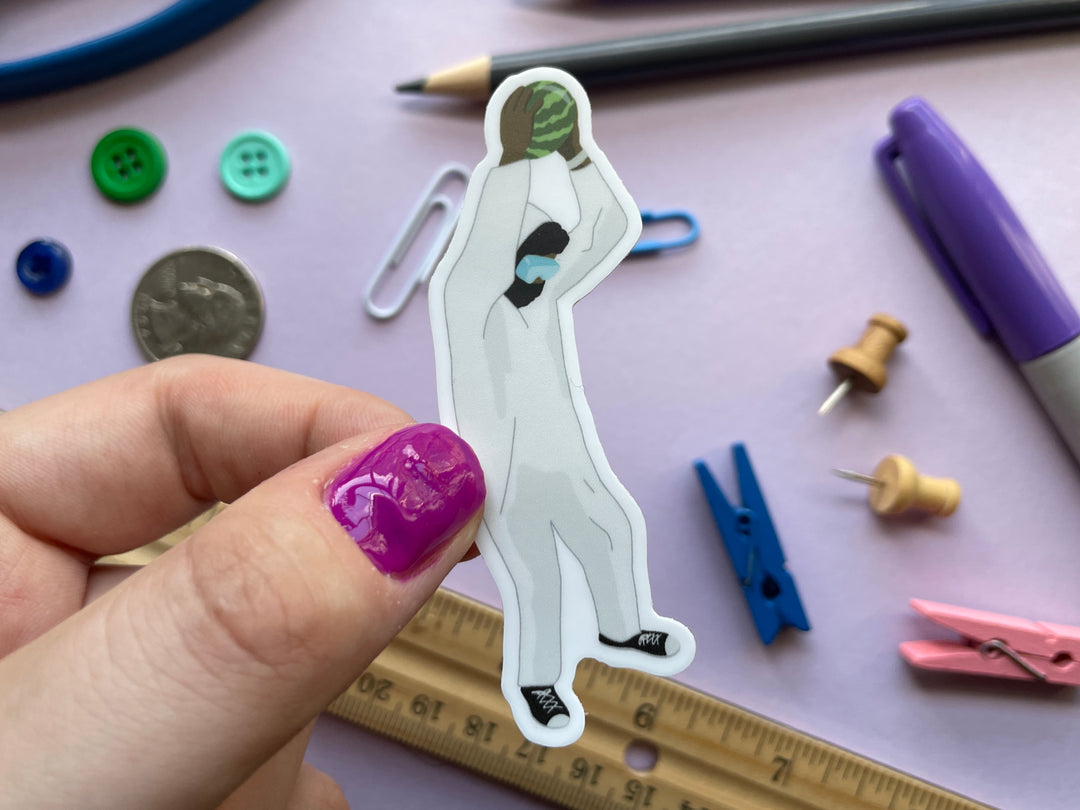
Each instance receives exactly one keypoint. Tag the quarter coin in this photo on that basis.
(197, 300)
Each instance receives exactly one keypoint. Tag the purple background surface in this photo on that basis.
(681, 355)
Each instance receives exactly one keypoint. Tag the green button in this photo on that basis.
(254, 166)
(128, 165)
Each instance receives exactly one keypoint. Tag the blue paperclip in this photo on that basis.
(751, 541)
(157, 35)
(655, 245)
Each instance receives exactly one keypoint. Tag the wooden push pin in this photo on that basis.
(896, 487)
(862, 366)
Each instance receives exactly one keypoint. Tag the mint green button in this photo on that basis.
(254, 166)
(128, 165)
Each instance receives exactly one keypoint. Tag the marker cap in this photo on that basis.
(974, 237)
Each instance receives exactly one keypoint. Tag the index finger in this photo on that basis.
(524, 97)
(113, 464)
(534, 102)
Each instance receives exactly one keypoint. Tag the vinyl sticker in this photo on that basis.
(545, 219)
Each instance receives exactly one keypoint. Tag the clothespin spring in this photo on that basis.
(995, 647)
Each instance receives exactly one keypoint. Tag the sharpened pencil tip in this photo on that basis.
(416, 86)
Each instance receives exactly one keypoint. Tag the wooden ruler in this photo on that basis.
(436, 688)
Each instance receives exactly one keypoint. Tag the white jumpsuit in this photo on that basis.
(514, 397)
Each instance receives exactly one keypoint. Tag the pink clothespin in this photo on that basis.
(997, 645)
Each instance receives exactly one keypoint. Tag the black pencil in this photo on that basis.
(885, 26)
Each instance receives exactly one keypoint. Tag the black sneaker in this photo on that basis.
(651, 642)
(546, 706)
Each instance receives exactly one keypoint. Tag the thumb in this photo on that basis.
(171, 689)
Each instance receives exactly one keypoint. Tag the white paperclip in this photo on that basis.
(431, 200)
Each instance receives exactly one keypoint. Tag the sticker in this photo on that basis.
(545, 219)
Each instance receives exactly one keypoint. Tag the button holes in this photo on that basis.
(124, 174)
(264, 171)
(136, 167)
(261, 154)
(247, 171)
(118, 160)
(40, 266)
(130, 153)
(245, 156)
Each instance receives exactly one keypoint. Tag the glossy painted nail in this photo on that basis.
(406, 498)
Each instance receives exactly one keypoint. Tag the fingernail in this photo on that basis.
(405, 498)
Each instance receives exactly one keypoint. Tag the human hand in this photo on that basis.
(571, 147)
(516, 124)
(196, 680)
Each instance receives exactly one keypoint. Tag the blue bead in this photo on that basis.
(43, 266)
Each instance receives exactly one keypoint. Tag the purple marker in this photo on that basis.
(986, 257)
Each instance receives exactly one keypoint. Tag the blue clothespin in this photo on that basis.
(754, 548)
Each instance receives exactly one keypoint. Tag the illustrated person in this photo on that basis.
(544, 220)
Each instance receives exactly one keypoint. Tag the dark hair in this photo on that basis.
(548, 238)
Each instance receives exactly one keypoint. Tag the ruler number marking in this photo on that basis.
(425, 708)
(478, 729)
(638, 793)
(645, 716)
(783, 770)
(526, 749)
(377, 688)
(582, 770)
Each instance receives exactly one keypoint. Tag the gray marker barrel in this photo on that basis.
(1055, 378)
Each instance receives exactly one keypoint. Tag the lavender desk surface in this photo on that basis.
(681, 354)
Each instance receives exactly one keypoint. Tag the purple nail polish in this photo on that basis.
(408, 496)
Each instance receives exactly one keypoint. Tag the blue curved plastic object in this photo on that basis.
(754, 547)
(43, 266)
(655, 245)
(531, 268)
(162, 33)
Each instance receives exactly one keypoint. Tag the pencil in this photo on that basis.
(879, 27)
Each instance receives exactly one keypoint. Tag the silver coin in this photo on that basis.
(197, 300)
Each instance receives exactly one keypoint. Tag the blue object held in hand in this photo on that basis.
(162, 33)
(531, 268)
(43, 266)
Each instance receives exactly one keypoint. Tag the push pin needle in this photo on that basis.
(898, 487)
(838, 394)
(862, 366)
